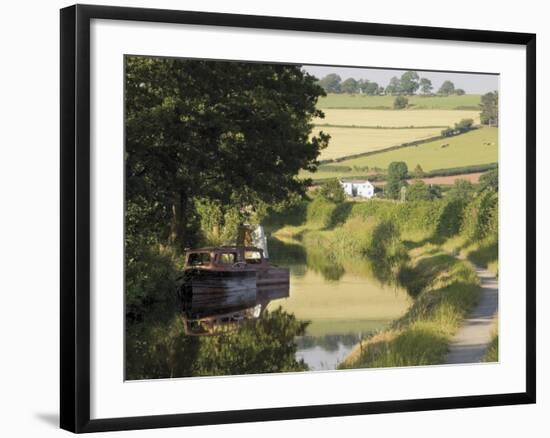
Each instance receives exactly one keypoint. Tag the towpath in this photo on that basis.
(470, 342)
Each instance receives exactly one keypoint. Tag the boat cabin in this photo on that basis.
(225, 257)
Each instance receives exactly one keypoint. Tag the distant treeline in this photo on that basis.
(409, 83)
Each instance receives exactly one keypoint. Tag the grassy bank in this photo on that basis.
(447, 290)
(411, 245)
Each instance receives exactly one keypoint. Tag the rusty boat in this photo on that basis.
(222, 287)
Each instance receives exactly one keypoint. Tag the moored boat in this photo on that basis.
(221, 287)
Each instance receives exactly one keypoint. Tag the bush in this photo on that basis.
(333, 191)
(419, 191)
(461, 127)
(481, 218)
(400, 102)
(489, 180)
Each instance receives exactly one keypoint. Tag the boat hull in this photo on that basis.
(208, 292)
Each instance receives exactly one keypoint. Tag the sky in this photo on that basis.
(469, 82)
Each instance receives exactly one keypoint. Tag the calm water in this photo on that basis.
(341, 299)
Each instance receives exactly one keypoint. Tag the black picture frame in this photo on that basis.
(75, 217)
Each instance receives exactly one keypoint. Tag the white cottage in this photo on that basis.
(360, 188)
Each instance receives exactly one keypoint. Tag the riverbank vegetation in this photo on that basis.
(200, 160)
(408, 244)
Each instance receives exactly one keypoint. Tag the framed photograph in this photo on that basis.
(268, 218)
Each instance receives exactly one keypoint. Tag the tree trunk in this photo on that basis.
(178, 227)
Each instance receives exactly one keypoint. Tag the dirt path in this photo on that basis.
(470, 342)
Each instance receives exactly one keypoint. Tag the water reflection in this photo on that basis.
(344, 300)
(341, 299)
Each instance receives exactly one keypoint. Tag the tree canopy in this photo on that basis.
(331, 83)
(397, 173)
(333, 191)
(410, 82)
(446, 88)
(226, 131)
(426, 86)
(489, 109)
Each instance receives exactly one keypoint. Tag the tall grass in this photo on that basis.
(421, 336)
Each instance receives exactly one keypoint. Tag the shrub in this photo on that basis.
(400, 102)
(333, 191)
(489, 180)
(481, 218)
(419, 191)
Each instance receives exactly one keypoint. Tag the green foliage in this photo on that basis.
(447, 132)
(331, 83)
(334, 168)
(492, 351)
(150, 278)
(162, 350)
(410, 82)
(481, 218)
(418, 172)
(400, 102)
(461, 170)
(332, 191)
(394, 87)
(460, 92)
(489, 109)
(464, 125)
(372, 89)
(461, 127)
(386, 252)
(420, 191)
(426, 86)
(489, 180)
(451, 217)
(446, 290)
(350, 85)
(446, 88)
(397, 173)
(319, 212)
(461, 189)
(182, 134)
(262, 346)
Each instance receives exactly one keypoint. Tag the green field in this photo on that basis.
(467, 101)
(475, 147)
(355, 131)
(397, 118)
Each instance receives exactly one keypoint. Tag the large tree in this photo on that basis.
(446, 88)
(426, 86)
(397, 174)
(235, 133)
(350, 85)
(409, 82)
(489, 109)
(394, 87)
(331, 83)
